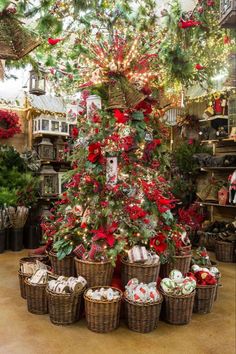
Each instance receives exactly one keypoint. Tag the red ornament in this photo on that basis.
(52, 41)
(9, 124)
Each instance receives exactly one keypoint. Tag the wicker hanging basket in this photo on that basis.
(102, 316)
(64, 267)
(225, 251)
(36, 298)
(116, 95)
(178, 310)
(96, 273)
(142, 318)
(182, 263)
(64, 309)
(132, 95)
(204, 298)
(15, 40)
(143, 272)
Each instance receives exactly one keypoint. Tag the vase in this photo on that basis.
(2, 240)
(16, 239)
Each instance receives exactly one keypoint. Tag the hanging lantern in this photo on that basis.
(93, 103)
(228, 13)
(49, 181)
(37, 84)
(45, 149)
(60, 149)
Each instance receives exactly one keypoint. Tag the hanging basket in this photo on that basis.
(96, 273)
(182, 263)
(178, 310)
(225, 251)
(64, 309)
(64, 267)
(145, 273)
(142, 318)
(36, 298)
(15, 40)
(204, 298)
(102, 316)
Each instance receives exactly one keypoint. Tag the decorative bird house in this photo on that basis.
(37, 83)
(93, 103)
(60, 149)
(47, 124)
(46, 149)
(228, 13)
(49, 181)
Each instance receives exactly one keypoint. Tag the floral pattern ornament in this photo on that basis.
(9, 124)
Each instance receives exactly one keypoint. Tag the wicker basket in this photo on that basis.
(64, 267)
(143, 272)
(64, 309)
(36, 298)
(204, 298)
(178, 310)
(225, 251)
(102, 316)
(208, 240)
(96, 273)
(142, 318)
(182, 263)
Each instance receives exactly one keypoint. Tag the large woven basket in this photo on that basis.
(182, 263)
(23, 276)
(64, 267)
(225, 251)
(143, 272)
(64, 309)
(96, 273)
(204, 298)
(142, 318)
(178, 310)
(36, 298)
(208, 240)
(102, 316)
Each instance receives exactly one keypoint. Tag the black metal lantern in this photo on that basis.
(49, 181)
(60, 149)
(37, 84)
(228, 13)
(46, 149)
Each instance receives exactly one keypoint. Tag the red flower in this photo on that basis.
(106, 234)
(120, 116)
(159, 243)
(74, 132)
(52, 41)
(144, 106)
(135, 212)
(188, 23)
(227, 40)
(199, 67)
(9, 124)
(96, 118)
(127, 143)
(94, 152)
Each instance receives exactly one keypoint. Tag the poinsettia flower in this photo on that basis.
(94, 152)
(120, 116)
(159, 243)
(105, 234)
(135, 212)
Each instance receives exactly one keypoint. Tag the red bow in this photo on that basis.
(188, 23)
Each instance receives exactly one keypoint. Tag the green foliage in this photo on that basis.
(8, 197)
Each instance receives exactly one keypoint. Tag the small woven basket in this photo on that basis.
(204, 298)
(142, 318)
(178, 310)
(225, 251)
(102, 316)
(36, 298)
(182, 263)
(64, 267)
(143, 272)
(96, 273)
(64, 309)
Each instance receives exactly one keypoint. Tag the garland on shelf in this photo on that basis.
(212, 95)
(9, 124)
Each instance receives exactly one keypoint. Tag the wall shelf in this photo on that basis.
(213, 118)
(227, 168)
(216, 205)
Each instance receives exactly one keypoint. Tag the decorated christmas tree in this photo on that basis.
(117, 195)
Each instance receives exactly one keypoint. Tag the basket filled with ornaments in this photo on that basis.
(177, 254)
(102, 308)
(35, 288)
(64, 299)
(206, 280)
(141, 264)
(178, 293)
(27, 267)
(142, 306)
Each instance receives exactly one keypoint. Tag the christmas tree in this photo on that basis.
(116, 195)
